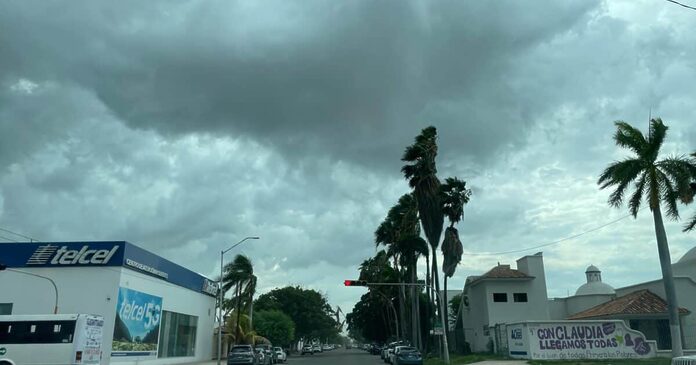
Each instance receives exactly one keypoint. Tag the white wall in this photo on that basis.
(579, 303)
(175, 299)
(92, 290)
(474, 317)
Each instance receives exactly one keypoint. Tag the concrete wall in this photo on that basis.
(579, 303)
(180, 300)
(92, 290)
(475, 316)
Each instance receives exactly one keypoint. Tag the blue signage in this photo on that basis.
(136, 330)
(111, 253)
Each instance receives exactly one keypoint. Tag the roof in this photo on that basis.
(595, 288)
(689, 256)
(641, 302)
(592, 268)
(501, 272)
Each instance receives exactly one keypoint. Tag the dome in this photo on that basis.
(595, 288)
(689, 256)
(592, 268)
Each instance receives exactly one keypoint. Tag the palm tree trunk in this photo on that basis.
(239, 312)
(445, 326)
(414, 308)
(402, 309)
(668, 282)
(436, 281)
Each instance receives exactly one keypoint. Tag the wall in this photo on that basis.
(91, 290)
(579, 303)
(686, 298)
(474, 317)
(536, 308)
(180, 300)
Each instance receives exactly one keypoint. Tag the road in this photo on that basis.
(337, 357)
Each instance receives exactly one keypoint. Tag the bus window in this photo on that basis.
(37, 332)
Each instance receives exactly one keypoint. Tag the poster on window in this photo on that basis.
(136, 331)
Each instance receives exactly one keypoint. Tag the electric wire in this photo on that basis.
(8, 239)
(683, 5)
(18, 234)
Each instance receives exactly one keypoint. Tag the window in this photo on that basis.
(19, 332)
(177, 335)
(5, 309)
(500, 297)
(519, 297)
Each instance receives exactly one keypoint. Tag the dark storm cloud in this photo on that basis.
(330, 79)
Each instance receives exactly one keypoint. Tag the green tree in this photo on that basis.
(276, 326)
(658, 182)
(453, 195)
(308, 309)
(689, 198)
(240, 274)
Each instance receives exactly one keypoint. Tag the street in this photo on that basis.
(337, 357)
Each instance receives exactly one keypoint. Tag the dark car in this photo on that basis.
(242, 354)
(408, 356)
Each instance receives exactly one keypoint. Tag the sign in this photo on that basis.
(210, 287)
(569, 340)
(136, 331)
(88, 341)
(437, 331)
(62, 254)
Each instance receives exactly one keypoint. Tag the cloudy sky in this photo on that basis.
(185, 126)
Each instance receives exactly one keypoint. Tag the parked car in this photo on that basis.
(406, 355)
(376, 349)
(280, 354)
(326, 348)
(242, 354)
(307, 349)
(317, 348)
(268, 353)
(389, 350)
(261, 355)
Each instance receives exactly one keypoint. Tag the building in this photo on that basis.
(155, 311)
(505, 295)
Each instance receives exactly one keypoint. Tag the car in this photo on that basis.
(307, 349)
(242, 354)
(388, 350)
(397, 350)
(376, 349)
(280, 354)
(261, 355)
(268, 353)
(317, 348)
(326, 348)
(406, 355)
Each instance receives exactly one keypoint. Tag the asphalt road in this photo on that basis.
(337, 357)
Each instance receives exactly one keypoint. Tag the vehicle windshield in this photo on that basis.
(240, 349)
(277, 349)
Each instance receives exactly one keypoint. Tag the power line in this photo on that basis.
(680, 4)
(18, 234)
(552, 242)
(8, 239)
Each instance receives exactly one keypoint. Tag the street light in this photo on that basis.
(220, 294)
(55, 288)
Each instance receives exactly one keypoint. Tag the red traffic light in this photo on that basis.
(355, 283)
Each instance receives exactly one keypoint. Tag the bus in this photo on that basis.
(51, 339)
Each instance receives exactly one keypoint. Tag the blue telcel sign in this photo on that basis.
(111, 253)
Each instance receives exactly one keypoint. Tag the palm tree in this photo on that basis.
(240, 274)
(421, 173)
(454, 195)
(689, 198)
(659, 182)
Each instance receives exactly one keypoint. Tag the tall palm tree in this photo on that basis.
(454, 195)
(240, 274)
(659, 182)
(421, 173)
(689, 198)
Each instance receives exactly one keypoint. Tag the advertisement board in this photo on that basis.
(568, 340)
(88, 340)
(136, 331)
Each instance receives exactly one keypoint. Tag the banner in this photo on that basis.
(569, 340)
(136, 332)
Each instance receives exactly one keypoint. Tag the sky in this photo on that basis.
(185, 126)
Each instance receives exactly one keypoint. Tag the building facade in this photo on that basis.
(155, 311)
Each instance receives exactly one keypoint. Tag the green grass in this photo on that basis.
(468, 359)
(655, 361)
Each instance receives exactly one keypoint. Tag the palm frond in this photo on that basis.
(629, 137)
(454, 195)
(620, 171)
(691, 224)
(656, 136)
(452, 251)
(668, 194)
(681, 170)
(637, 197)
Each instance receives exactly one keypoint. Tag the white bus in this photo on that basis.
(51, 339)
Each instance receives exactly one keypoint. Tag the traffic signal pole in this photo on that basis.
(443, 316)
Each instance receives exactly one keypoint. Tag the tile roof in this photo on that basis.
(501, 272)
(640, 302)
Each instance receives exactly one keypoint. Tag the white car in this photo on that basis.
(280, 354)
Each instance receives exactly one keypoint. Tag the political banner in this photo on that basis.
(136, 331)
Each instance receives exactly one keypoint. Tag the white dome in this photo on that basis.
(594, 288)
(689, 256)
(592, 268)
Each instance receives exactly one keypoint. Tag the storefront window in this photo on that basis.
(5, 308)
(177, 335)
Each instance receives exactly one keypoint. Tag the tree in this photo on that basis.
(240, 274)
(308, 309)
(276, 326)
(689, 198)
(453, 195)
(659, 182)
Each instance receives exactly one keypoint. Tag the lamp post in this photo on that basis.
(55, 288)
(221, 294)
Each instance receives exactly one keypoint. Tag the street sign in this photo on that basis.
(437, 331)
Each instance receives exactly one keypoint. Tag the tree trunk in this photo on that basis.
(239, 312)
(402, 309)
(430, 299)
(668, 282)
(445, 326)
(414, 313)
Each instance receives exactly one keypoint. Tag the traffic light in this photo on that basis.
(355, 283)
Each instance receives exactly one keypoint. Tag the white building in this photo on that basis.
(505, 295)
(155, 311)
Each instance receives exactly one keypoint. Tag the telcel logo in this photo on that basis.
(64, 256)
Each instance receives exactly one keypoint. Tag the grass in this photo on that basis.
(467, 359)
